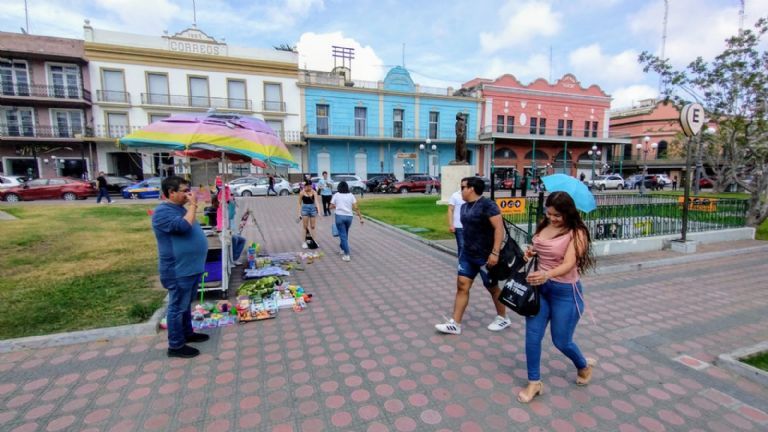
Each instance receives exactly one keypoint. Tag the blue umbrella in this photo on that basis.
(581, 195)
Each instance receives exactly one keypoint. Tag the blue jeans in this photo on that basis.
(558, 305)
(238, 244)
(103, 193)
(343, 223)
(459, 233)
(181, 292)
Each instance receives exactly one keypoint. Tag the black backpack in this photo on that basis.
(510, 258)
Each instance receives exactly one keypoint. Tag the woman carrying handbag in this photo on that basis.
(562, 245)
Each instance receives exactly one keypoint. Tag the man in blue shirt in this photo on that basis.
(326, 193)
(181, 248)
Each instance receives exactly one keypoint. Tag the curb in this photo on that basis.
(731, 361)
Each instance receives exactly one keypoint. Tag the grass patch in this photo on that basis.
(67, 268)
(762, 231)
(759, 361)
(419, 212)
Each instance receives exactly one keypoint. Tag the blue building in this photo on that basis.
(391, 126)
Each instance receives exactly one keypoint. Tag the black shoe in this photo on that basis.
(197, 337)
(183, 352)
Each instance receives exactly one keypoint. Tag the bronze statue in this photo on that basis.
(461, 140)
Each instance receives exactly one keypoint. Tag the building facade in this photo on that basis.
(45, 107)
(141, 79)
(391, 126)
(544, 128)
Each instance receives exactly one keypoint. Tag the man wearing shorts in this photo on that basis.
(483, 233)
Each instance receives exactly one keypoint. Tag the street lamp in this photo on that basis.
(644, 149)
(594, 154)
(423, 149)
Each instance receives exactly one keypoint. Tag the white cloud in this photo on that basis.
(521, 23)
(535, 66)
(315, 53)
(592, 66)
(630, 95)
(135, 15)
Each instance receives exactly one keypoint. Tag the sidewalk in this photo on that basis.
(365, 356)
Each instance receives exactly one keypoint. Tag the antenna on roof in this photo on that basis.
(403, 55)
(663, 41)
(26, 16)
(194, 14)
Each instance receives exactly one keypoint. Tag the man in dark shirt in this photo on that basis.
(483, 233)
(271, 185)
(182, 248)
(103, 192)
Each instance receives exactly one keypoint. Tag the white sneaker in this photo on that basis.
(449, 327)
(500, 323)
(304, 245)
(345, 258)
(238, 263)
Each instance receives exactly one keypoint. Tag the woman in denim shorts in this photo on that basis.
(308, 210)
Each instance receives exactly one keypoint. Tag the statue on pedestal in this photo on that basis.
(461, 141)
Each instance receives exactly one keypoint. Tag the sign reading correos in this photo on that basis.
(692, 119)
(194, 41)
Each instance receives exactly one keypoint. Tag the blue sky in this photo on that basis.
(447, 42)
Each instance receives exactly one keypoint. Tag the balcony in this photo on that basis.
(114, 131)
(111, 96)
(26, 131)
(369, 132)
(273, 106)
(544, 133)
(196, 102)
(37, 91)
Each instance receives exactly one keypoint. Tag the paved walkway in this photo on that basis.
(365, 356)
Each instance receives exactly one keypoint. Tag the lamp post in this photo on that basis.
(424, 149)
(594, 154)
(644, 149)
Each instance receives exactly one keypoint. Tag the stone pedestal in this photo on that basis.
(686, 247)
(450, 180)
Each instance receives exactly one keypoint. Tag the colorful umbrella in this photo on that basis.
(225, 133)
(210, 155)
(581, 195)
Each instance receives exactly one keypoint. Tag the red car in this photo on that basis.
(705, 183)
(416, 183)
(68, 189)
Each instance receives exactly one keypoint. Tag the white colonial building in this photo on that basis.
(139, 79)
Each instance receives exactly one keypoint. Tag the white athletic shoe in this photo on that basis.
(449, 327)
(345, 258)
(304, 245)
(500, 323)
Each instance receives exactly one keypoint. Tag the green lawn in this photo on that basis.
(419, 212)
(76, 267)
(759, 361)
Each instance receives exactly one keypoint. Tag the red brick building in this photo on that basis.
(545, 128)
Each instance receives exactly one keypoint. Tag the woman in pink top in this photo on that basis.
(562, 244)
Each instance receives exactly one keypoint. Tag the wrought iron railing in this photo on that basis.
(27, 131)
(273, 106)
(113, 96)
(537, 131)
(114, 131)
(45, 91)
(201, 102)
(629, 216)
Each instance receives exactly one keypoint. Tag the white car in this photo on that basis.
(355, 183)
(610, 181)
(11, 181)
(260, 186)
(663, 179)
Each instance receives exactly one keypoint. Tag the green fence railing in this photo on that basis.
(622, 216)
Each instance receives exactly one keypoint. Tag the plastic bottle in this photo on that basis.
(252, 256)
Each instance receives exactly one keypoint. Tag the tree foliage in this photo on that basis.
(733, 88)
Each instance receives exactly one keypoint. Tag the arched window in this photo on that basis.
(540, 155)
(585, 156)
(504, 153)
(563, 155)
(661, 150)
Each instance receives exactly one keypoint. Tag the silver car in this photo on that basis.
(259, 187)
(355, 183)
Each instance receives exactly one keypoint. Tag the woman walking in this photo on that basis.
(346, 207)
(562, 244)
(308, 210)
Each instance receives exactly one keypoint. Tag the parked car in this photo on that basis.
(247, 179)
(610, 181)
(11, 181)
(416, 183)
(705, 182)
(149, 188)
(260, 186)
(507, 183)
(375, 184)
(487, 183)
(296, 187)
(355, 183)
(116, 184)
(664, 179)
(49, 188)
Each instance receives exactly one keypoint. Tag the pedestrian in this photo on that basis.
(674, 183)
(562, 244)
(346, 207)
(238, 241)
(483, 232)
(454, 220)
(308, 211)
(101, 180)
(582, 176)
(182, 249)
(326, 192)
(271, 185)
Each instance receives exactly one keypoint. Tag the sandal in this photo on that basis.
(525, 397)
(585, 375)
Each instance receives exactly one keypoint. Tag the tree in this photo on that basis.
(733, 88)
(286, 47)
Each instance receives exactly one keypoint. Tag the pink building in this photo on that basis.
(45, 106)
(543, 128)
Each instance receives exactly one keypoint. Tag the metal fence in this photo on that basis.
(622, 216)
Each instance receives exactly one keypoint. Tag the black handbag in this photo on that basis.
(311, 243)
(510, 258)
(519, 295)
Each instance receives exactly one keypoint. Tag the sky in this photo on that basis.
(441, 42)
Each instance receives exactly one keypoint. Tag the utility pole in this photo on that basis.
(663, 41)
